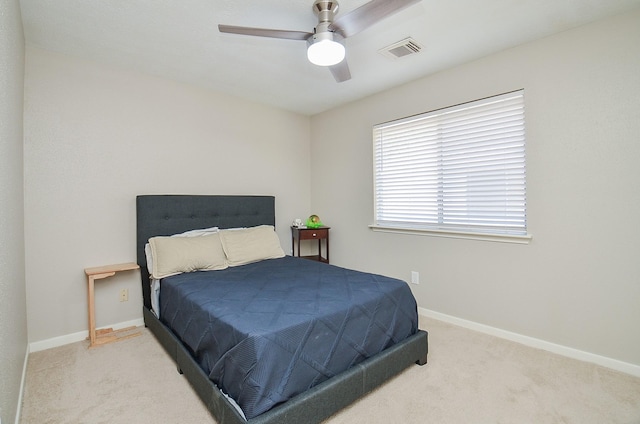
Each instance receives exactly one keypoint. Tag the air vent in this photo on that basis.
(403, 48)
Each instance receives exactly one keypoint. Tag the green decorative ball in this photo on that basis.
(314, 221)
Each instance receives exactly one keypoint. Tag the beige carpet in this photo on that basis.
(470, 378)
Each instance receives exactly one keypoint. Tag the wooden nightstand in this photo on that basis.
(97, 273)
(321, 233)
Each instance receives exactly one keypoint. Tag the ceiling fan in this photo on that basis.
(325, 45)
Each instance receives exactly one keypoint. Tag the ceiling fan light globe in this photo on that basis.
(325, 53)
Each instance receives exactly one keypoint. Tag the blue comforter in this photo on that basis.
(267, 331)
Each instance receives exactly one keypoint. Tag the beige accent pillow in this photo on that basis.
(253, 244)
(174, 255)
(190, 233)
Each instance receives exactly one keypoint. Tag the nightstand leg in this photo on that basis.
(92, 312)
(327, 242)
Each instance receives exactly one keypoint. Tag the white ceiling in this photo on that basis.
(179, 39)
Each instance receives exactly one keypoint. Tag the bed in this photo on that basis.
(389, 348)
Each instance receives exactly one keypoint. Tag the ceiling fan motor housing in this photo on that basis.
(325, 35)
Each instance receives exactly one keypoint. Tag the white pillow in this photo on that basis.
(198, 232)
(190, 233)
(243, 246)
(174, 255)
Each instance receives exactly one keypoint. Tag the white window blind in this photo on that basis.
(458, 169)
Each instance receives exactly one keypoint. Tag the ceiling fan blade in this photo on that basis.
(341, 71)
(262, 32)
(367, 15)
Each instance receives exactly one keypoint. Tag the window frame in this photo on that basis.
(506, 233)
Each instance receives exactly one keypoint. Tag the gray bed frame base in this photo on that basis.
(171, 214)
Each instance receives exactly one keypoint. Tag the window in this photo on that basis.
(454, 171)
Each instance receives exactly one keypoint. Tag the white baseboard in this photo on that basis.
(569, 352)
(79, 336)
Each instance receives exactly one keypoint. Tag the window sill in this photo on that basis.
(501, 238)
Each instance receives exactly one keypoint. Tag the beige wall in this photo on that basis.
(95, 137)
(577, 284)
(13, 316)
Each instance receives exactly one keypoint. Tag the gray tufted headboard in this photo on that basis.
(163, 215)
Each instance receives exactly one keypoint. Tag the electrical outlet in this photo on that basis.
(124, 295)
(415, 277)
